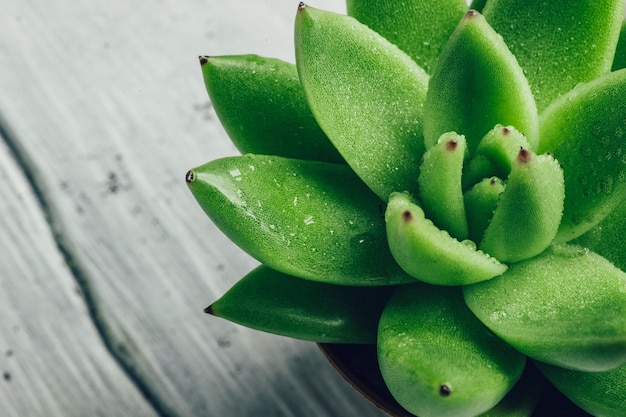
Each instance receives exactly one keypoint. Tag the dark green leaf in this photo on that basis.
(262, 106)
(273, 302)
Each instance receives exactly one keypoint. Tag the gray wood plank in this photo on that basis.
(107, 107)
(52, 359)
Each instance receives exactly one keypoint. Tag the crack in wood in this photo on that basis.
(78, 272)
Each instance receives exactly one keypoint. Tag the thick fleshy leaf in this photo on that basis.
(586, 132)
(366, 94)
(502, 145)
(477, 84)
(558, 44)
(418, 27)
(619, 61)
(430, 254)
(309, 219)
(529, 210)
(440, 185)
(566, 307)
(522, 400)
(273, 302)
(480, 202)
(599, 393)
(607, 238)
(262, 106)
(478, 5)
(437, 359)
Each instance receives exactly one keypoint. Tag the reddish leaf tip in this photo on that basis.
(523, 156)
(203, 59)
(301, 6)
(451, 145)
(407, 216)
(209, 309)
(190, 177)
(471, 13)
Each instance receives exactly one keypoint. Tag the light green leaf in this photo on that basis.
(529, 210)
(558, 44)
(586, 132)
(437, 359)
(480, 202)
(418, 27)
(308, 219)
(430, 254)
(262, 106)
(477, 85)
(367, 96)
(273, 302)
(566, 307)
(440, 185)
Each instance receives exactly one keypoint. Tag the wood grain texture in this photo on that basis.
(107, 111)
(52, 359)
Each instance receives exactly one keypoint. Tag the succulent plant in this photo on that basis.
(444, 182)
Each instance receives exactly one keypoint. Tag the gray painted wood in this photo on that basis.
(104, 109)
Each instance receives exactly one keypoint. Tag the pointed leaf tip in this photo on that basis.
(301, 6)
(203, 59)
(209, 309)
(190, 176)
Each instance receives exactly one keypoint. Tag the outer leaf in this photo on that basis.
(367, 96)
(522, 399)
(273, 302)
(440, 185)
(599, 393)
(313, 220)
(529, 210)
(586, 130)
(420, 28)
(243, 90)
(558, 45)
(619, 61)
(477, 84)
(607, 238)
(437, 359)
(431, 254)
(566, 307)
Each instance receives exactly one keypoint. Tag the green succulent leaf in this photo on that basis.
(478, 5)
(619, 61)
(607, 238)
(586, 130)
(566, 307)
(437, 359)
(430, 254)
(480, 202)
(273, 302)
(477, 85)
(529, 210)
(522, 400)
(418, 27)
(502, 145)
(558, 45)
(599, 393)
(309, 219)
(367, 96)
(440, 185)
(261, 104)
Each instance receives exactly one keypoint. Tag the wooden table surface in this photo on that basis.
(106, 260)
